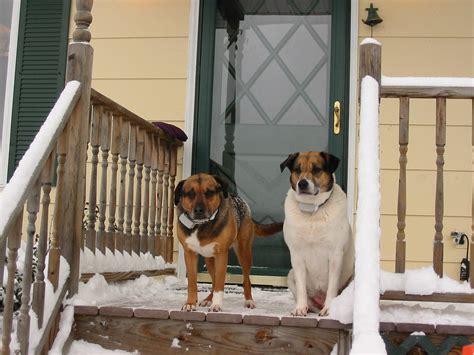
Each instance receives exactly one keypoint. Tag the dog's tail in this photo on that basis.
(265, 230)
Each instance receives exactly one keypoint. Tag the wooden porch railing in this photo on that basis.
(135, 206)
(439, 90)
(138, 221)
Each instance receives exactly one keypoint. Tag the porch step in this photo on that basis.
(154, 331)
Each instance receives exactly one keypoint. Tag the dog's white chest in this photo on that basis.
(193, 243)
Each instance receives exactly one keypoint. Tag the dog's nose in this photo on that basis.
(303, 184)
(199, 210)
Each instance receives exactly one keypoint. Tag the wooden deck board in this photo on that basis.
(153, 336)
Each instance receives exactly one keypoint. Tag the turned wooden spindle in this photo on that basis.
(154, 172)
(114, 150)
(54, 251)
(173, 169)
(146, 194)
(39, 284)
(124, 141)
(95, 145)
(132, 153)
(439, 196)
(402, 184)
(138, 192)
(23, 331)
(13, 243)
(159, 247)
(105, 130)
(164, 217)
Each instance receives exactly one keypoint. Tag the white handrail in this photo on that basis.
(13, 197)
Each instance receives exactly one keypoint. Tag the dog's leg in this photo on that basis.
(210, 265)
(300, 293)
(335, 266)
(220, 273)
(244, 254)
(191, 260)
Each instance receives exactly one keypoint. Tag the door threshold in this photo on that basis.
(279, 281)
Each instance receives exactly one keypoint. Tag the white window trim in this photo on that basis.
(9, 89)
(190, 102)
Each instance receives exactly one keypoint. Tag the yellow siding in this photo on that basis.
(425, 38)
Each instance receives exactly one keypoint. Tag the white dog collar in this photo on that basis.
(191, 223)
(313, 207)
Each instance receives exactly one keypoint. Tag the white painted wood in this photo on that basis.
(351, 144)
(7, 109)
(189, 111)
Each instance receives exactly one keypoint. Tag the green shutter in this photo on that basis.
(40, 70)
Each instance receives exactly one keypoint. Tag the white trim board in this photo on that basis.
(10, 83)
(190, 102)
(189, 108)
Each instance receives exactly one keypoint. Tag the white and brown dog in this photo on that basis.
(317, 232)
(211, 221)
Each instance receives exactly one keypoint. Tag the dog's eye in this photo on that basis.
(209, 193)
(297, 170)
(316, 170)
(190, 194)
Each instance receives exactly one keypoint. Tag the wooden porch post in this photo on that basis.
(79, 67)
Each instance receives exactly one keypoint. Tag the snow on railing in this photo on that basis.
(366, 338)
(16, 191)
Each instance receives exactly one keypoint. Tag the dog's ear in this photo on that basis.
(332, 162)
(224, 186)
(288, 163)
(178, 192)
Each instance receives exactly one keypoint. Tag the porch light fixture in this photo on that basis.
(373, 17)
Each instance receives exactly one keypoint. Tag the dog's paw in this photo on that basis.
(205, 302)
(324, 312)
(249, 304)
(215, 308)
(188, 307)
(300, 312)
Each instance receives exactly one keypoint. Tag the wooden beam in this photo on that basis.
(435, 297)
(427, 92)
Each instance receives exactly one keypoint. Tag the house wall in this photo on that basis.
(425, 38)
(141, 57)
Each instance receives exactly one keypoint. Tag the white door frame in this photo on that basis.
(190, 101)
(9, 89)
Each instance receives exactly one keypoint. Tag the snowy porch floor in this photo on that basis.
(145, 314)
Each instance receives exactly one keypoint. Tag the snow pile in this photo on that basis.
(81, 347)
(427, 81)
(120, 262)
(370, 41)
(422, 281)
(65, 325)
(50, 299)
(16, 191)
(367, 262)
(175, 343)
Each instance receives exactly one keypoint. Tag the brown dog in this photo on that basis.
(210, 222)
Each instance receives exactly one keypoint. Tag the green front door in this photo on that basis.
(269, 74)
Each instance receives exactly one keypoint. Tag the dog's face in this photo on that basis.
(200, 195)
(311, 172)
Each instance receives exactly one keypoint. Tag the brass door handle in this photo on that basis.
(337, 118)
